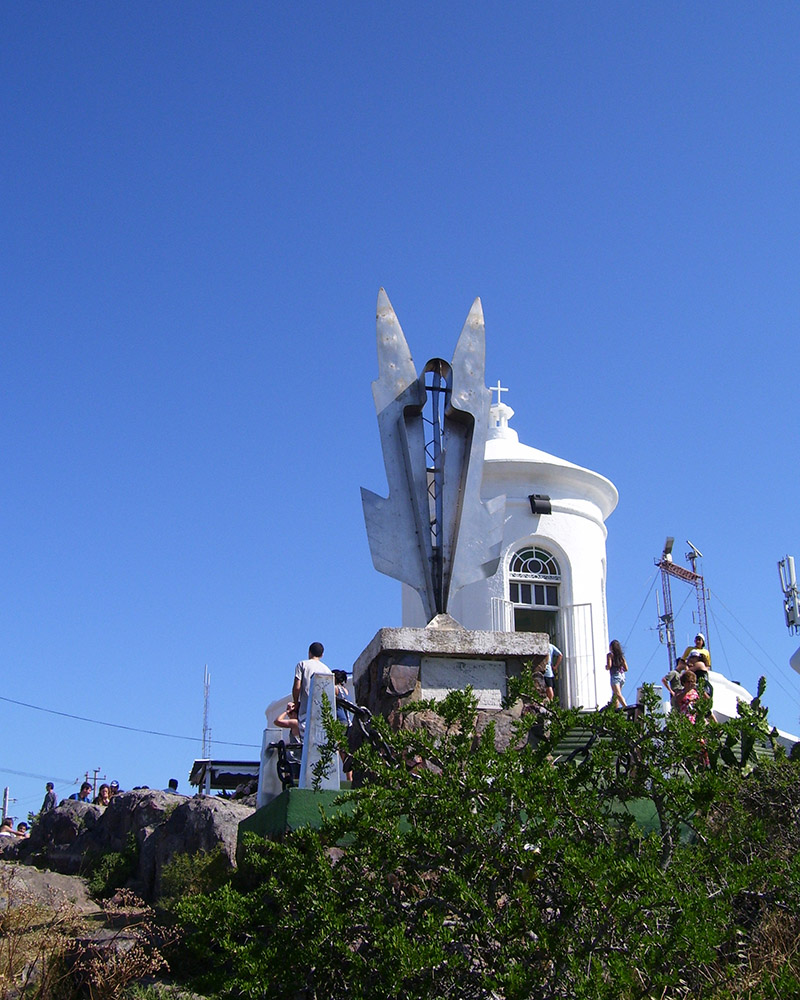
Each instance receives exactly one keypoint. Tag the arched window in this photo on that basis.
(533, 579)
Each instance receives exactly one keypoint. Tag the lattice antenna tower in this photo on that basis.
(206, 753)
(669, 571)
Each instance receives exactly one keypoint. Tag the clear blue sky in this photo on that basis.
(199, 204)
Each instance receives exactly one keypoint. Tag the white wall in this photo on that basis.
(575, 533)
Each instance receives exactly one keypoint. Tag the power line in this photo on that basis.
(641, 609)
(118, 725)
(776, 677)
(742, 627)
(42, 777)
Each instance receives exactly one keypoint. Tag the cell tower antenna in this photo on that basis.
(791, 595)
(693, 555)
(206, 753)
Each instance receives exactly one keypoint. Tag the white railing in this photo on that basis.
(502, 615)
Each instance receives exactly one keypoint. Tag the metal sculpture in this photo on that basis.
(433, 532)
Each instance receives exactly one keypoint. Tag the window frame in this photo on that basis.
(549, 578)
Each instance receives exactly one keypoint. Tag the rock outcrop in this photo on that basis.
(71, 837)
(21, 885)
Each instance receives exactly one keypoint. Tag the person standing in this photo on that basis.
(343, 716)
(50, 800)
(686, 702)
(617, 667)
(554, 658)
(340, 678)
(303, 673)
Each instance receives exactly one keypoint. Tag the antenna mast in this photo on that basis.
(666, 622)
(206, 752)
(791, 604)
(791, 595)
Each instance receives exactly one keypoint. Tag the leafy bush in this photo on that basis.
(190, 874)
(110, 871)
(655, 863)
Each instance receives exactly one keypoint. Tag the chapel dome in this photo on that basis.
(509, 463)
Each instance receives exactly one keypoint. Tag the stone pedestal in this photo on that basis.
(403, 665)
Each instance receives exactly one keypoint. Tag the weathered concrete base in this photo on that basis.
(403, 665)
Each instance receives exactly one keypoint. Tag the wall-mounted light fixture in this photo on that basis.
(540, 504)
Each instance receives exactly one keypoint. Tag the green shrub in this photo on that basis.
(191, 874)
(111, 871)
(480, 874)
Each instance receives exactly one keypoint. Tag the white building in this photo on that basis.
(552, 572)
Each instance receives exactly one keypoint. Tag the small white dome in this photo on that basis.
(506, 458)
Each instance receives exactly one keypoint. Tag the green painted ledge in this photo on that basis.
(303, 807)
(292, 809)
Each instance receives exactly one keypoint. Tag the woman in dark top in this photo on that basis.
(617, 667)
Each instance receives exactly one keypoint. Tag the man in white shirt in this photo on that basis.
(303, 673)
(554, 658)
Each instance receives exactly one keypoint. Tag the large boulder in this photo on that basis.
(22, 884)
(69, 838)
(198, 825)
(59, 838)
(138, 812)
(64, 824)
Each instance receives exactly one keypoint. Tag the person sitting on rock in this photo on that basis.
(103, 796)
(84, 795)
(7, 827)
(22, 830)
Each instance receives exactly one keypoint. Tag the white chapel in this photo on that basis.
(552, 571)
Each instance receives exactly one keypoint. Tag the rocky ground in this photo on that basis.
(70, 838)
(47, 909)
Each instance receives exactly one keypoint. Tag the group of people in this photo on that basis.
(7, 830)
(295, 716)
(105, 793)
(616, 665)
(687, 682)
